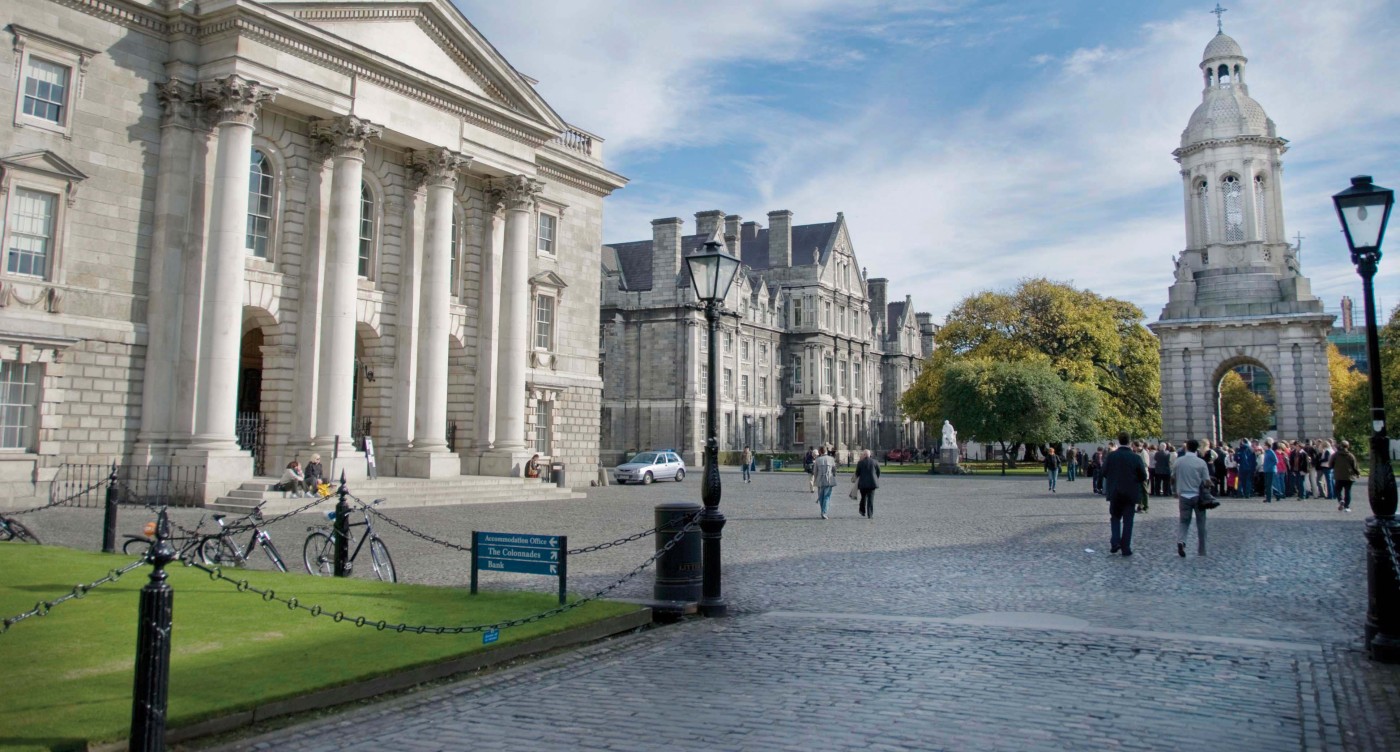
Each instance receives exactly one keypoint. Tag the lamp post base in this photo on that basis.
(1383, 612)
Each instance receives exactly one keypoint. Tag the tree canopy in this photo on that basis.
(1243, 414)
(1351, 398)
(1087, 340)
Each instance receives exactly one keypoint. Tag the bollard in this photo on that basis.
(678, 570)
(151, 689)
(342, 531)
(109, 515)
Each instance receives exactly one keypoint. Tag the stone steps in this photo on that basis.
(401, 493)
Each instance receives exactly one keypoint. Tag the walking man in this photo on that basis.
(1269, 467)
(1345, 470)
(1161, 471)
(747, 459)
(1071, 463)
(1124, 472)
(824, 475)
(1052, 467)
(1190, 473)
(807, 461)
(867, 480)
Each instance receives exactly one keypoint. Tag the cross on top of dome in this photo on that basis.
(1219, 21)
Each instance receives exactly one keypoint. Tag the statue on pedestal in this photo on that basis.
(950, 437)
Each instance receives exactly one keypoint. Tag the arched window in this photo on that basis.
(1203, 210)
(1261, 210)
(259, 234)
(366, 229)
(1224, 75)
(1234, 209)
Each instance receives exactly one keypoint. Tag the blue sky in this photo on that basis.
(969, 144)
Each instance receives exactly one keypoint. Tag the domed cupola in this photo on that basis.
(1226, 109)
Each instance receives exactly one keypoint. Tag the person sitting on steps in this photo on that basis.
(293, 481)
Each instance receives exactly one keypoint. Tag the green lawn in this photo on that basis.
(67, 676)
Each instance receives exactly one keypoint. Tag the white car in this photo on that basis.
(649, 466)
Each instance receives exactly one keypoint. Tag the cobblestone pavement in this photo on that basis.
(971, 613)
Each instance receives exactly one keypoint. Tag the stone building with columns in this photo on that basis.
(1240, 300)
(238, 233)
(812, 353)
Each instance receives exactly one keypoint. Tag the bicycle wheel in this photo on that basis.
(17, 531)
(319, 554)
(136, 547)
(217, 550)
(274, 555)
(383, 565)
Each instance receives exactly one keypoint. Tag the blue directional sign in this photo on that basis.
(490, 636)
(521, 553)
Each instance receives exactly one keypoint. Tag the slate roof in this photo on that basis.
(635, 258)
(892, 312)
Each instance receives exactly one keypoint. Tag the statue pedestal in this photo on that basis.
(948, 460)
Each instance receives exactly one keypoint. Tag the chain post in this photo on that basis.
(109, 515)
(151, 689)
(342, 530)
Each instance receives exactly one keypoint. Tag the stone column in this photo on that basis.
(488, 336)
(509, 452)
(169, 243)
(429, 458)
(345, 137)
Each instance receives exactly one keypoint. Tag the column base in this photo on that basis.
(507, 463)
(413, 464)
(222, 470)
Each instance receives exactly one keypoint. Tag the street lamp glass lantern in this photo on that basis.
(712, 272)
(1364, 209)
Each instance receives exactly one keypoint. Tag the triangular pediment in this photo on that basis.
(429, 36)
(45, 162)
(548, 280)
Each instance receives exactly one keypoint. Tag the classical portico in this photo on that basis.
(1240, 298)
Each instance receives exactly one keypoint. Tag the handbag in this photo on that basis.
(855, 491)
(1204, 498)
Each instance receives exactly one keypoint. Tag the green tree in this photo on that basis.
(1091, 341)
(1243, 414)
(1007, 402)
(1389, 371)
(1351, 399)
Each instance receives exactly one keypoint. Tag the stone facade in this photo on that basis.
(1240, 298)
(812, 354)
(320, 219)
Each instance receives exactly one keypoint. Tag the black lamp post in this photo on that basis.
(711, 273)
(1364, 209)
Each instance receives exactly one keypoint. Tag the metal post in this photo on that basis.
(563, 569)
(151, 689)
(1383, 603)
(711, 520)
(109, 515)
(342, 530)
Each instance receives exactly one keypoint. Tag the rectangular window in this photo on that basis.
(543, 421)
(797, 312)
(704, 379)
(546, 234)
(46, 91)
(704, 339)
(856, 369)
(827, 380)
(728, 342)
(744, 388)
(762, 390)
(763, 353)
(19, 404)
(762, 432)
(841, 319)
(544, 323)
(826, 308)
(799, 429)
(844, 382)
(728, 383)
(797, 372)
(31, 233)
(366, 230)
(744, 349)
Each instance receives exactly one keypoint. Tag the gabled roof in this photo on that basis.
(753, 249)
(894, 312)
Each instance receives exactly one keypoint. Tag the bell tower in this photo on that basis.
(1239, 299)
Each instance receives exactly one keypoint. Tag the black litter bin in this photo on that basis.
(556, 472)
(678, 570)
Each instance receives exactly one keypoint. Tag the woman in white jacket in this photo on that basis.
(292, 480)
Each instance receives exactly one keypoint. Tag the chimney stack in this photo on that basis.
(780, 239)
(1348, 320)
(665, 252)
(706, 222)
(731, 234)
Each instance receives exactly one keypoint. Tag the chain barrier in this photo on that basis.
(60, 502)
(268, 595)
(42, 608)
(468, 549)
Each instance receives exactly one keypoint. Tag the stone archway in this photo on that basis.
(1260, 380)
(259, 381)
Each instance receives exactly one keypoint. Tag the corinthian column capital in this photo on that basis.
(517, 192)
(344, 136)
(437, 166)
(233, 99)
(176, 100)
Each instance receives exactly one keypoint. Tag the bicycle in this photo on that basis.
(319, 551)
(221, 549)
(12, 529)
(185, 545)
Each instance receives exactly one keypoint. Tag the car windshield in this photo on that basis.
(645, 458)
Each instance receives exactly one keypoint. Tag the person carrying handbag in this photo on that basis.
(866, 481)
(1192, 475)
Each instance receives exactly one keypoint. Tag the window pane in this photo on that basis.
(1234, 211)
(546, 233)
(366, 229)
(31, 232)
(1261, 212)
(259, 204)
(19, 404)
(544, 322)
(46, 90)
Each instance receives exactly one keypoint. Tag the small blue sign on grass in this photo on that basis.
(490, 636)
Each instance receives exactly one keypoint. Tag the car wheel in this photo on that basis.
(647, 479)
(680, 475)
